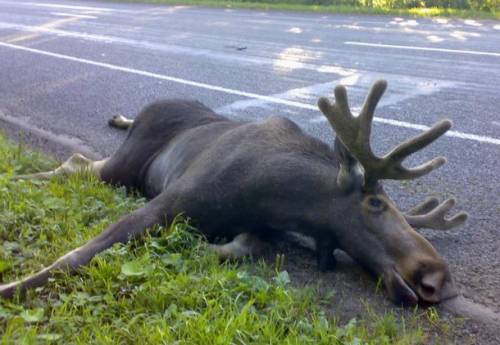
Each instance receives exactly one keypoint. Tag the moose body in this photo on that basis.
(228, 177)
(254, 181)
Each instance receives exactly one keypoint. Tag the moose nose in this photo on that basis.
(429, 286)
(435, 287)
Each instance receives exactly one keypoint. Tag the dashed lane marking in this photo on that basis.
(64, 14)
(442, 50)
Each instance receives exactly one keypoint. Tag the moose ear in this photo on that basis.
(350, 174)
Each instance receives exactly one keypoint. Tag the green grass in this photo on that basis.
(164, 289)
(295, 5)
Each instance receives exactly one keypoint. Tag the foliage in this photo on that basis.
(164, 289)
(483, 9)
(483, 5)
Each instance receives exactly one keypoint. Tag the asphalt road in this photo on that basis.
(66, 67)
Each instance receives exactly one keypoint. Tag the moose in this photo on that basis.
(255, 182)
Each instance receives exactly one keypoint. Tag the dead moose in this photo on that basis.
(255, 181)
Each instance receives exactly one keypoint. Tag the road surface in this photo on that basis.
(66, 67)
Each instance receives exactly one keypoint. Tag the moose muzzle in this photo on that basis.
(431, 288)
(420, 275)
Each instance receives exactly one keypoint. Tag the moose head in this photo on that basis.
(249, 181)
(372, 230)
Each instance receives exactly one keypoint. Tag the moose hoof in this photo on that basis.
(113, 121)
(120, 122)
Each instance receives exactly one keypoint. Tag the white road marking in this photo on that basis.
(82, 16)
(393, 46)
(161, 76)
(70, 7)
(304, 94)
(275, 100)
(52, 24)
(405, 87)
(278, 64)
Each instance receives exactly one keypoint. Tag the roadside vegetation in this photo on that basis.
(483, 9)
(164, 289)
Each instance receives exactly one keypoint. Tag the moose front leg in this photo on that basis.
(76, 163)
(130, 226)
(325, 258)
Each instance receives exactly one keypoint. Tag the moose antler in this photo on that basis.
(431, 214)
(354, 133)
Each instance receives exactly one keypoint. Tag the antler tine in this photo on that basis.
(435, 217)
(368, 110)
(424, 207)
(391, 162)
(338, 114)
(342, 101)
(405, 149)
(420, 141)
(352, 131)
(398, 172)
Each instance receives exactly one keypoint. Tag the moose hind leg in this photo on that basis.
(76, 163)
(242, 245)
(120, 122)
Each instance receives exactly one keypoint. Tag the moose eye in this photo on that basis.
(375, 204)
